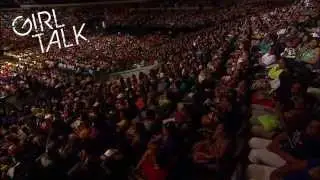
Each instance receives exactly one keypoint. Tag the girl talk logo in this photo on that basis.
(42, 21)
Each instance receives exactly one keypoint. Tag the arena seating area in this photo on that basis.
(216, 91)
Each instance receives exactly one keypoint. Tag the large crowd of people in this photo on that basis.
(184, 17)
(285, 108)
(253, 72)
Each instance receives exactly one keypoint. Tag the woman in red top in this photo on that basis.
(148, 165)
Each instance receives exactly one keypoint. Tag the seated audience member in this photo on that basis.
(149, 164)
(181, 115)
(209, 121)
(309, 53)
(286, 150)
(283, 93)
(265, 46)
(137, 138)
(302, 162)
(268, 58)
(211, 151)
(265, 125)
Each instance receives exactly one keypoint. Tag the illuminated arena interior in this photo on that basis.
(159, 90)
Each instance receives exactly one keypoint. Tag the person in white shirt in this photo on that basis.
(268, 58)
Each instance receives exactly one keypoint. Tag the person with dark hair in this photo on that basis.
(212, 150)
(309, 52)
(283, 151)
(283, 92)
(149, 164)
